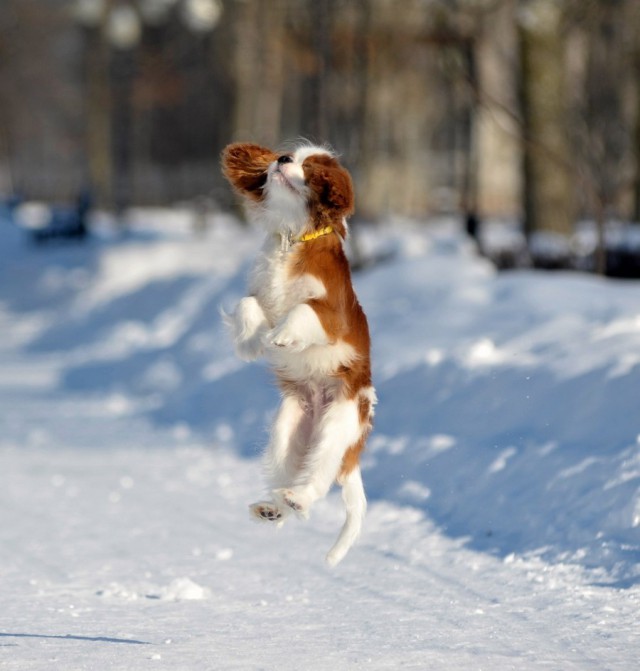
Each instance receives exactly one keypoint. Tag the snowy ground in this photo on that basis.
(503, 475)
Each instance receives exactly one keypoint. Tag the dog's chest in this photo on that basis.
(276, 284)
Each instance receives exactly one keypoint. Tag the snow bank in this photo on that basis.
(179, 589)
(508, 402)
(512, 400)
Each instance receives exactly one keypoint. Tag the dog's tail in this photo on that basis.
(356, 506)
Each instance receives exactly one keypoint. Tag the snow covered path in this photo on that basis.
(127, 557)
(125, 541)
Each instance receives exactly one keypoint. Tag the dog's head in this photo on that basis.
(303, 188)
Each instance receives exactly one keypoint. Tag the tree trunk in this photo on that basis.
(469, 185)
(259, 69)
(548, 202)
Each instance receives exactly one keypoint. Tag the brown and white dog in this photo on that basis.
(302, 314)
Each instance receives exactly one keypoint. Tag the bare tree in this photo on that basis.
(259, 66)
(602, 131)
(548, 185)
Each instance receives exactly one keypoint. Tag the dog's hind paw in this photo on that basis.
(294, 501)
(267, 511)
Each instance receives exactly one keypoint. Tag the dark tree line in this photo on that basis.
(514, 108)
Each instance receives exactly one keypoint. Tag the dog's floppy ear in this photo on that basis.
(330, 182)
(245, 166)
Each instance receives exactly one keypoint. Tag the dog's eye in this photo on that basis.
(285, 159)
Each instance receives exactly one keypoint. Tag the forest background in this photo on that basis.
(520, 110)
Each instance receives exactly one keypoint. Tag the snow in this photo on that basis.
(503, 473)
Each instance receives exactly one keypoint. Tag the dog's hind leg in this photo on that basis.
(338, 428)
(281, 458)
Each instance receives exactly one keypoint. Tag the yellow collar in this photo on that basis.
(315, 234)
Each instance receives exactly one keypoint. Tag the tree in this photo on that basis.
(602, 131)
(548, 195)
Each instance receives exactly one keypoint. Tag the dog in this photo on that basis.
(302, 314)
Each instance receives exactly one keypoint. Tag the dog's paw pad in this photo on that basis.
(292, 501)
(266, 512)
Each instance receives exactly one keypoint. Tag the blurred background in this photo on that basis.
(520, 116)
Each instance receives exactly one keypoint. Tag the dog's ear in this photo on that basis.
(245, 166)
(330, 183)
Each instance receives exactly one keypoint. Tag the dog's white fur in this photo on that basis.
(317, 423)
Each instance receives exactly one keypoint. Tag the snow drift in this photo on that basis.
(508, 402)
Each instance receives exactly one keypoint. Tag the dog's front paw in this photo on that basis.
(250, 349)
(247, 325)
(283, 337)
(300, 329)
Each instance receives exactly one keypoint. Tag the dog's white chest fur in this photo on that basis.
(274, 285)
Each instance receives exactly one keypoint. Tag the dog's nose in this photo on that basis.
(284, 159)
